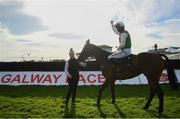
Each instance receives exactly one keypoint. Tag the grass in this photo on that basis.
(48, 101)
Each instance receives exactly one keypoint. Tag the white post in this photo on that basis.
(1, 38)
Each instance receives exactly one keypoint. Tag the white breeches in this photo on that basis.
(120, 53)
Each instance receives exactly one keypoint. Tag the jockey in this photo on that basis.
(124, 48)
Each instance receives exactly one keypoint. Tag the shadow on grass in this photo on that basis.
(70, 113)
(102, 114)
(155, 114)
(121, 114)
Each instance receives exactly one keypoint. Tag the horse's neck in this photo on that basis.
(100, 56)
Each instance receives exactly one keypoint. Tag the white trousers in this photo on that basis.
(120, 53)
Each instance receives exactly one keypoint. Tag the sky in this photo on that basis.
(49, 28)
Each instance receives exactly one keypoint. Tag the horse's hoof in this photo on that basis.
(160, 111)
(65, 102)
(113, 101)
(145, 107)
(159, 114)
(98, 105)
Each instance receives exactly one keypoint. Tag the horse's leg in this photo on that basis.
(150, 97)
(161, 98)
(112, 82)
(152, 92)
(103, 86)
(159, 91)
(112, 78)
(155, 88)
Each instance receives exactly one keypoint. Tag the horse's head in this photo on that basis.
(92, 50)
(86, 52)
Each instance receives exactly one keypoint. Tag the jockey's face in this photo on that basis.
(120, 28)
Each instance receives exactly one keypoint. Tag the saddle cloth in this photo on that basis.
(122, 62)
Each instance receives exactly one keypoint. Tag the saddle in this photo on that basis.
(123, 63)
(126, 63)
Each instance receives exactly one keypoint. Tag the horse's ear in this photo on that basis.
(88, 41)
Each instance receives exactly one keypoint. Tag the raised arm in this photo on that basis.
(114, 28)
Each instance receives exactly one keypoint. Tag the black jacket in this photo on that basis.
(74, 67)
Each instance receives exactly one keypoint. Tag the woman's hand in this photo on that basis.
(83, 64)
(69, 76)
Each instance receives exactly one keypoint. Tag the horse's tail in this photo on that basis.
(171, 74)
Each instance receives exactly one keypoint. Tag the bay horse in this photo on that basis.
(149, 64)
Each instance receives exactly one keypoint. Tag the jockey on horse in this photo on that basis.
(149, 64)
(124, 48)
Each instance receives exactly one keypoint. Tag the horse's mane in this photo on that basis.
(101, 51)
